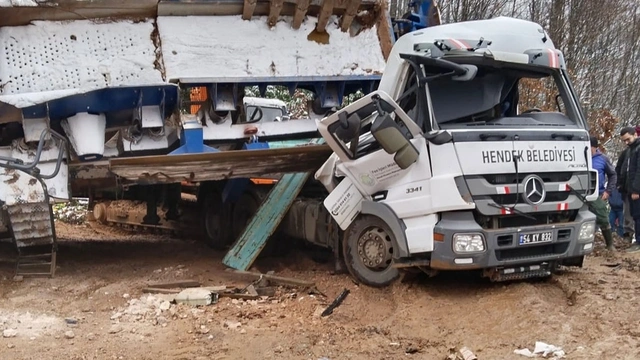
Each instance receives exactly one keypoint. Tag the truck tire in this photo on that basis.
(368, 248)
(243, 211)
(216, 230)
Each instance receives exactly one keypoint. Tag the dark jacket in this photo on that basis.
(634, 168)
(606, 172)
(616, 201)
(621, 170)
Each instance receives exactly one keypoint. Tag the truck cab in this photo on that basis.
(473, 154)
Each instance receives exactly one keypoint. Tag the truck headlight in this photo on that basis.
(587, 231)
(468, 243)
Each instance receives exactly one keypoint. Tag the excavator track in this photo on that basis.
(128, 215)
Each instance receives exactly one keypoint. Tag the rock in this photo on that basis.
(71, 320)
(232, 324)
(69, 334)
(610, 296)
(18, 278)
(318, 312)
(116, 316)
(161, 320)
(165, 305)
(9, 333)
(411, 349)
(278, 349)
(126, 296)
(10, 346)
(91, 336)
(114, 329)
(243, 331)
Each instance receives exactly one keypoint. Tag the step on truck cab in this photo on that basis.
(472, 154)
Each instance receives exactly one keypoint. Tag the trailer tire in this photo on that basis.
(368, 248)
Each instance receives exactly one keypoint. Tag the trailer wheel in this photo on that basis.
(368, 249)
(215, 226)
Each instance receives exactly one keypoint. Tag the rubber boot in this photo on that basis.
(608, 239)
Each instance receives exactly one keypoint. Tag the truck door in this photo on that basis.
(382, 152)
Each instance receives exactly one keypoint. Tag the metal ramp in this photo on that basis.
(31, 224)
(264, 223)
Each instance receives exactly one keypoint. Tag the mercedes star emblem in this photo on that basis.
(534, 192)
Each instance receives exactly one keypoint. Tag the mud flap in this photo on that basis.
(574, 261)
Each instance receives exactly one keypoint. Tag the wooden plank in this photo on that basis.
(325, 13)
(274, 12)
(274, 279)
(176, 284)
(248, 9)
(385, 30)
(301, 10)
(151, 290)
(265, 221)
(350, 14)
(239, 296)
(220, 165)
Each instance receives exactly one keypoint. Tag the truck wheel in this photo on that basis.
(368, 249)
(243, 211)
(215, 226)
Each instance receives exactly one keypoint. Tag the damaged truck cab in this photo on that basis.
(472, 154)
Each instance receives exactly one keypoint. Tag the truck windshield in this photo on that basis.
(502, 93)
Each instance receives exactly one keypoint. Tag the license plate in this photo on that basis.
(536, 238)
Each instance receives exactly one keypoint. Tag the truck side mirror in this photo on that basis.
(348, 127)
(390, 137)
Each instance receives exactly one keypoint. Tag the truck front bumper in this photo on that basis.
(502, 247)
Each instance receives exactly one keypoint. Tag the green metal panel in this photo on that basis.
(269, 215)
(263, 224)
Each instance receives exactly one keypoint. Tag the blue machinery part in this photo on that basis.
(422, 14)
(330, 90)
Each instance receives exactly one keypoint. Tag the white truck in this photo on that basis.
(444, 168)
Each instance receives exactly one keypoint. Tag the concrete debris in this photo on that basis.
(196, 297)
(547, 351)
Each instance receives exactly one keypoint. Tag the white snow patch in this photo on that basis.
(50, 59)
(229, 47)
(17, 3)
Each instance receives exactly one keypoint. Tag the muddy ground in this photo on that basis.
(94, 308)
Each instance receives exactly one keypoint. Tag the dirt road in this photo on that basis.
(94, 309)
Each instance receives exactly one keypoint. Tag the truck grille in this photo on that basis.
(508, 179)
(510, 199)
(532, 252)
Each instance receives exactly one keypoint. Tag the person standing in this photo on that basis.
(616, 213)
(632, 181)
(622, 166)
(603, 165)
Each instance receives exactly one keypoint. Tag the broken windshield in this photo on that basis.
(500, 94)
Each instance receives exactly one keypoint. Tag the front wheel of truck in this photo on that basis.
(368, 250)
